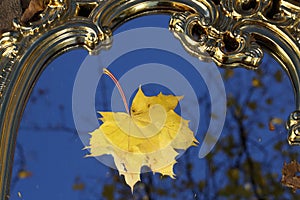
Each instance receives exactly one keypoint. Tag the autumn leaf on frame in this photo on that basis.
(147, 135)
(290, 176)
(34, 7)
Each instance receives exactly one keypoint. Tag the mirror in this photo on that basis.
(236, 34)
(245, 163)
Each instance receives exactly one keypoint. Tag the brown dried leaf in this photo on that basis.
(289, 175)
(34, 7)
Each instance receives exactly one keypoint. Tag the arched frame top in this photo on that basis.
(232, 33)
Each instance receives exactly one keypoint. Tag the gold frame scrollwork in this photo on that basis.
(233, 33)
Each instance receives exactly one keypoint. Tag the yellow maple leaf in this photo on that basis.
(147, 136)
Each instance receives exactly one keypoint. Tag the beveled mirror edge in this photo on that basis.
(26, 50)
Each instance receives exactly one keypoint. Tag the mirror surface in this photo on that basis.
(245, 163)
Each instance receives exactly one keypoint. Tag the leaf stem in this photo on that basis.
(108, 73)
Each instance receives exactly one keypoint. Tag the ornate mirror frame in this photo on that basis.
(233, 33)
